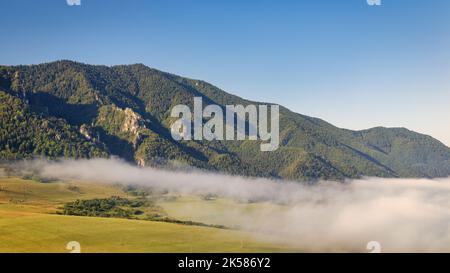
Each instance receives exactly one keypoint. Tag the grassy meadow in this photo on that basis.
(29, 223)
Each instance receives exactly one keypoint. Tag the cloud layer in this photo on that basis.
(407, 215)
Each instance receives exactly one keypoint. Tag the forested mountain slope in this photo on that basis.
(69, 109)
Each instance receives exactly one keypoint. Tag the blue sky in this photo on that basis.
(354, 65)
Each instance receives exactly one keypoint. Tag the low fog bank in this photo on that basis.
(401, 214)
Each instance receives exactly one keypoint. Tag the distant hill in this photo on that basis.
(69, 109)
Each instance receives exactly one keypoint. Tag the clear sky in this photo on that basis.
(354, 65)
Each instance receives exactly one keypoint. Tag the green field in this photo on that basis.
(219, 211)
(29, 223)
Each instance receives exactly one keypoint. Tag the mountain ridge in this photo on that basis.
(96, 101)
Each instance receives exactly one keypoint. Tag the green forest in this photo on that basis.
(66, 109)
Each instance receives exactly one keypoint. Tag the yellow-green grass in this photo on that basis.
(28, 224)
(219, 211)
(46, 197)
(51, 233)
